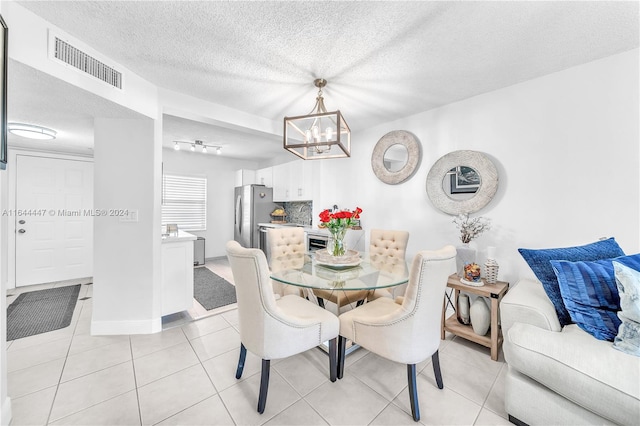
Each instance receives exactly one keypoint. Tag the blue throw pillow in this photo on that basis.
(590, 293)
(539, 262)
(628, 338)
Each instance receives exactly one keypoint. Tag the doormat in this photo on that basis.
(41, 311)
(211, 290)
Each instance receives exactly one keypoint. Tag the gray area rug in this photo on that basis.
(211, 290)
(41, 311)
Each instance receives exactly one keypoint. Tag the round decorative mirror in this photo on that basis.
(396, 157)
(462, 182)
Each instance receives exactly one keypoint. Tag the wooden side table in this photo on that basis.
(493, 339)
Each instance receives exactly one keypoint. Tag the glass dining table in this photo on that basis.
(341, 279)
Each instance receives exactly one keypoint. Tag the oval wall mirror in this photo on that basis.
(462, 182)
(396, 157)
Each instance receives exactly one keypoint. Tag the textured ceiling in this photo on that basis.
(383, 60)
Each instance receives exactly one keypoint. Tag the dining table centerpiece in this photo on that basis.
(337, 224)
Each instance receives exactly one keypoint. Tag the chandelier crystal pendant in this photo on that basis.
(319, 134)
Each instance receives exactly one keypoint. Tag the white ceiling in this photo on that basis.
(383, 60)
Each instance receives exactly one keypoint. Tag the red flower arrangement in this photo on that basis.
(337, 223)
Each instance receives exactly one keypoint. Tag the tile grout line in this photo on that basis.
(207, 373)
(64, 364)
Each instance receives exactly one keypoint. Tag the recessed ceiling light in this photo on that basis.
(31, 131)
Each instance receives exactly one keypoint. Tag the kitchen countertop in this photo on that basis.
(308, 229)
(314, 230)
(182, 236)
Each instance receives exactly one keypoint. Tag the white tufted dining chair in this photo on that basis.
(409, 332)
(270, 328)
(287, 251)
(387, 251)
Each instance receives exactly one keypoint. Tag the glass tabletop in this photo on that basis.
(363, 276)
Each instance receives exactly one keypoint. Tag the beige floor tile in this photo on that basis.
(495, 400)
(170, 395)
(86, 342)
(145, 344)
(466, 379)
(163, 363)
(32, 379)
(32, 409)
(28, 357)
(472, 353)
(488, 418)
(439, 406)
(121, 410)
(299, 413)
(90, 361)
(210, 412)
(204, 326)
(222, 369)
(386, 377)
(92, 389)
(216, 343)
(346, 402)
(39, 339)
(231, 317)
(242, 399)
(392, 415)
(303, 371)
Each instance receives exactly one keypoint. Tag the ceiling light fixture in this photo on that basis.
(193, 146)
(31, 131)
(319, 134)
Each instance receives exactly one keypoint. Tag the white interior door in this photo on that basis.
(53, 218)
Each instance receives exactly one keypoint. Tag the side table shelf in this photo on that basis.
(495, 292)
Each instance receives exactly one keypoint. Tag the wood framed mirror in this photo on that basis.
(462, 182)
(396, 157)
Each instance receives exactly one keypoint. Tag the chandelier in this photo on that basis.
(319, 134)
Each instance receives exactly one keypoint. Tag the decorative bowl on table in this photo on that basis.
(349, 259)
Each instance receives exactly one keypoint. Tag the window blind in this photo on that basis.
(184, 201)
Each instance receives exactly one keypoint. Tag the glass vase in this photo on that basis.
(336, 246)
(465, 255)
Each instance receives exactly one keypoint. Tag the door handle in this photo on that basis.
(22, 231)
(21, 222)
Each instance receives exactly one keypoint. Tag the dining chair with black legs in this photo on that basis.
(274, 329)
(407, 333)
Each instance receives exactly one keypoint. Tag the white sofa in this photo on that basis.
(562, 375)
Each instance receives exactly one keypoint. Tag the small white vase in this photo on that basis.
(465, 255)
(480, 316)
(463, 308)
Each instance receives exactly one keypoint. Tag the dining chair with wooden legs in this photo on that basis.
(407, 333)
(274, 329)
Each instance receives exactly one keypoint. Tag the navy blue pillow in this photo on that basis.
(590, 293)
(539, 262)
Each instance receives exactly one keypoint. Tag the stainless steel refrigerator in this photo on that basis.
(253, 205)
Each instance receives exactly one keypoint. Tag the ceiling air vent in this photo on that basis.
(75, 57)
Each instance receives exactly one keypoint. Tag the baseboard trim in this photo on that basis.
(107, 328)
(6, 411)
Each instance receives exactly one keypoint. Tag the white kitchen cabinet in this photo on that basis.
(293, 181)
(265, 176)
(245, 177)
(177, 273)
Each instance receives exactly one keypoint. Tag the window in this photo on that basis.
(184, 201)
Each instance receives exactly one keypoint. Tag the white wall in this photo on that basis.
(567, 151)
(127, 281)
(220, 174)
